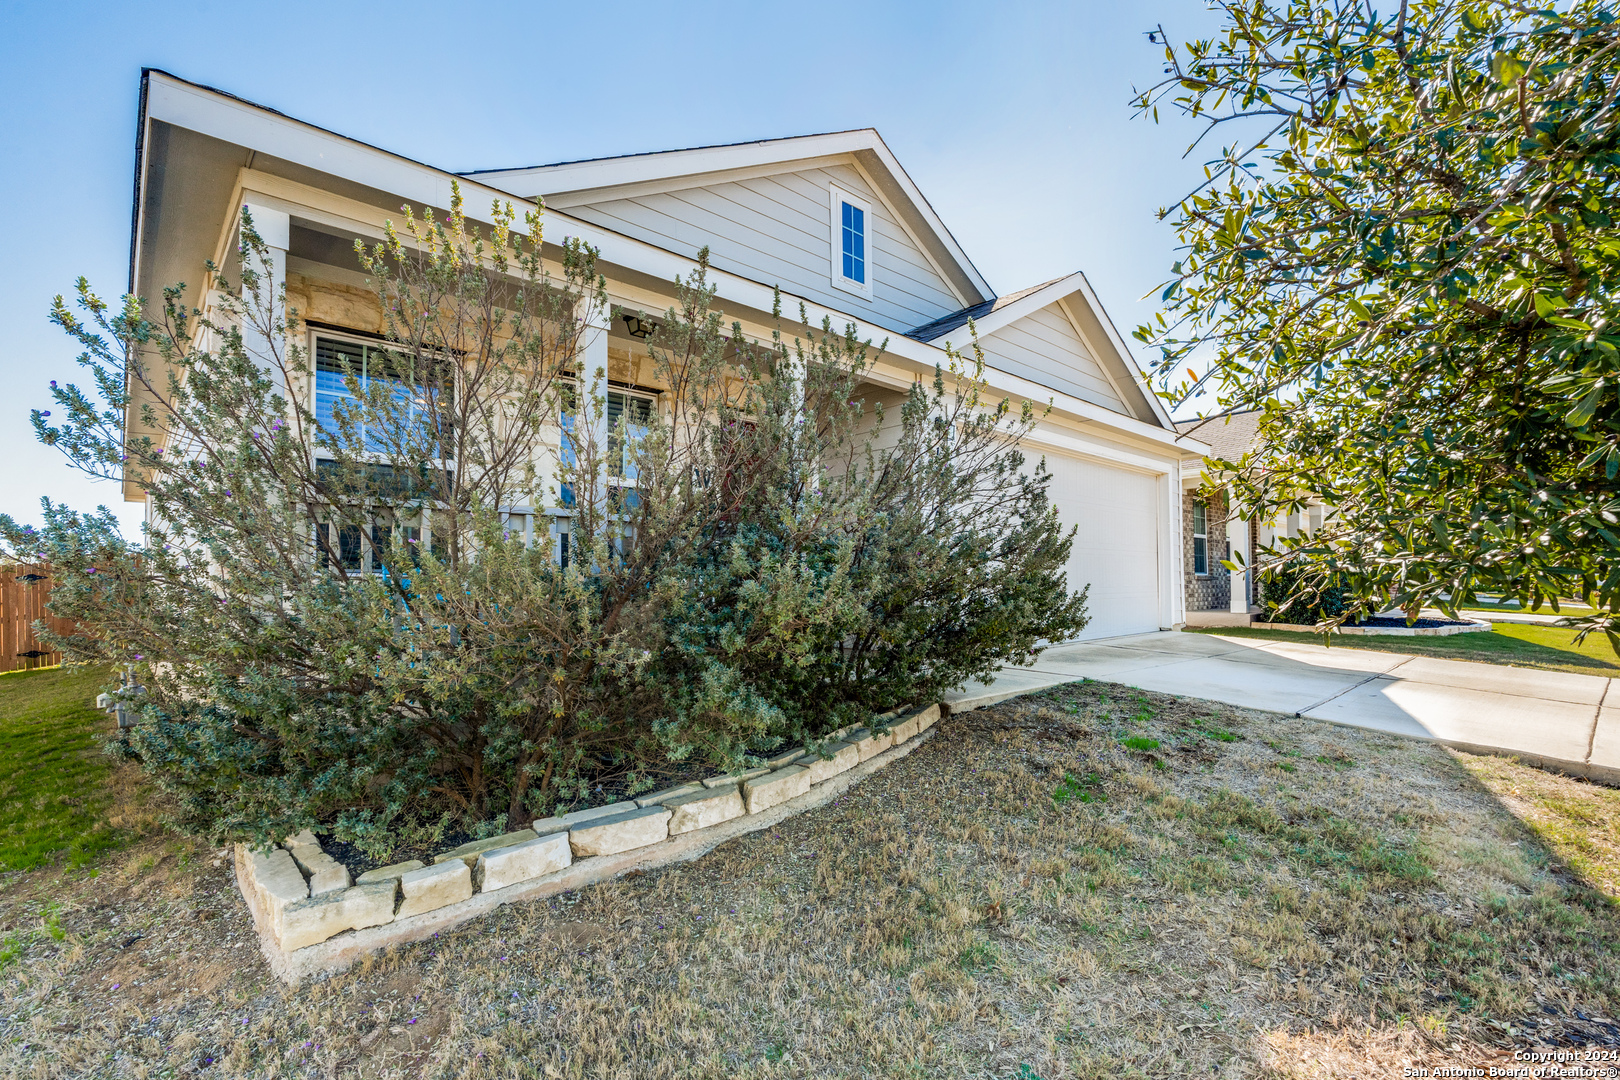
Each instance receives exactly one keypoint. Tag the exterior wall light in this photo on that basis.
(639, 328)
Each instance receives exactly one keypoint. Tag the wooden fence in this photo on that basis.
(24, 591)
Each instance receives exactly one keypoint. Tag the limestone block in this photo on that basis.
(659, 797)
(547, 826)
(277, 881)
(372, 905)
(844, 756)
(312, 921)
(530, 859)
(428, 888)
(927, 718)
(704, 807)
(468, 853)
(786, 757)
(621, 832)
(340, 305)
(325, 873)
(904, 730)
(739, 778)
(869, 743)
(389, 873)
(302, 838)
(578, 816)
(777, 787)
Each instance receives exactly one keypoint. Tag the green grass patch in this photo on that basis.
(1550, 648)
(53, 776)
(978, 957)
(1079, 788)
(1139, 742)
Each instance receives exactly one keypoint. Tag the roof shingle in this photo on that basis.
(1229, 435)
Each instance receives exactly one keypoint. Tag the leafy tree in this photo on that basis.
(1408, 262)
(336, 628)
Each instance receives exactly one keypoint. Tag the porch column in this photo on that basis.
(1237, 539)
(593, 385)
(275, 229)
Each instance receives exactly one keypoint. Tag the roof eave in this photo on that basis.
(337, 155)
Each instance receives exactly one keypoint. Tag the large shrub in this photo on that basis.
(786, 556)
(1291, 593)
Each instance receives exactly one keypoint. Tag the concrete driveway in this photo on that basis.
(1559, 720)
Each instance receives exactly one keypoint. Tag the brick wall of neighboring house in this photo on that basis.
(1212, 591)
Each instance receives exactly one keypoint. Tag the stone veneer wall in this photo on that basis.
(1212, 592)
(313, 920)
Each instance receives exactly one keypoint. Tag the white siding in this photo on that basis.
(777, 230)
(1044, 347)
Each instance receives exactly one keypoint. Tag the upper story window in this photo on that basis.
(854, 238)
(1200, 529)
(851, 243)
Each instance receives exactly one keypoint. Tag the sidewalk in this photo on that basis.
(1552, 718)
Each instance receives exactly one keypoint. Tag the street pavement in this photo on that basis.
(1553, 718)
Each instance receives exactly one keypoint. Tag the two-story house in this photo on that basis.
(832, 220)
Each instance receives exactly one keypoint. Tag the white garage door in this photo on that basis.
(1116, 549)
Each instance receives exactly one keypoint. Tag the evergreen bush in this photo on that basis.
(1294, 593)
(788, 557)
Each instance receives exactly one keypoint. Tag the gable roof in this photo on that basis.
(1229, 435)
(592, 180)
(942, 326)
(1074, 294)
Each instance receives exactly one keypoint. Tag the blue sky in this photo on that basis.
(1013, 118)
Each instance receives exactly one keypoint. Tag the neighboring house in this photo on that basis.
(833, 220)
(1214, 535)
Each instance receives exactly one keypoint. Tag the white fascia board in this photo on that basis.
(935, 224)
(1011, 313)
(614, 172)
(1079, 444)
(562, 200)
(1062, 289)
(1124, 350)
(257, 128)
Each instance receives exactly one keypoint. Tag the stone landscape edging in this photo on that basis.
(343, 950)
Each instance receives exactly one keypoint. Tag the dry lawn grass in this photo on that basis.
(1023, 896)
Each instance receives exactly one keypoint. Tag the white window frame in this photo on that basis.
(837, 196)
(1197, 536)
(652, 401)
(312, 334)
(370, 553)
(368, 550)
